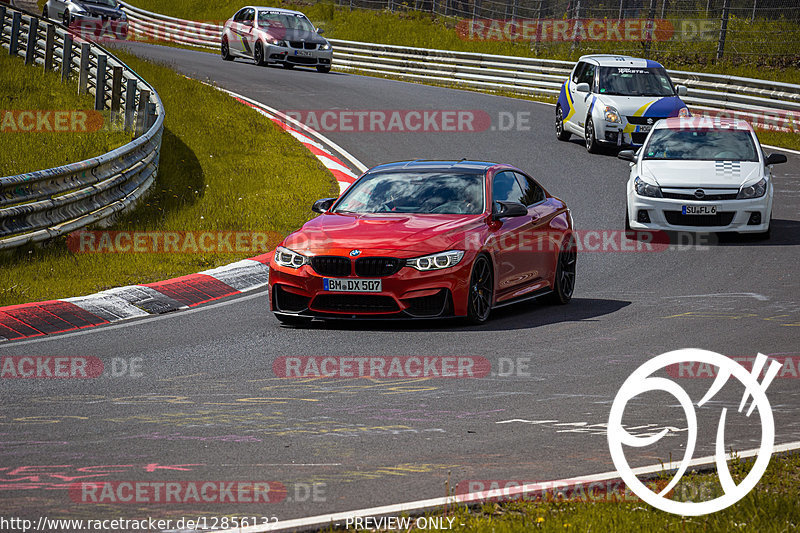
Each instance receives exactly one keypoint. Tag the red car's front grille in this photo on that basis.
(378, 267)
(355, 303)
(329, 265)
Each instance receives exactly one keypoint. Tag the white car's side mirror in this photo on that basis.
(582, 87)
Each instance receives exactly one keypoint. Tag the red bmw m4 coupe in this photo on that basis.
(426, 239)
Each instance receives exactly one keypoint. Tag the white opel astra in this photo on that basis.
(700, 174)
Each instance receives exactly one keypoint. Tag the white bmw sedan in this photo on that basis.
(701, 174)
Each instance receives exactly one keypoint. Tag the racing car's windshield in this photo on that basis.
(634, 81)
(701, 144)
(284, 20)
(415, 192)
(108, 3)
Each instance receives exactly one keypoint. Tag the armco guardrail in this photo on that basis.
(41, 205)
(767, 103)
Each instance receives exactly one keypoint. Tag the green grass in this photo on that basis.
(223, 167)
(770, 507)
(28, 88)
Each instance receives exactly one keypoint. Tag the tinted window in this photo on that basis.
(701, 144)
(238, 17)
(532, 193)
(587, 76)
(578, 70)
(250, 15)
(505, 188)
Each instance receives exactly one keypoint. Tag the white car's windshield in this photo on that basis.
(630, 81)
(284, 20)
(415, 192)
(107, 3)
(701, 144)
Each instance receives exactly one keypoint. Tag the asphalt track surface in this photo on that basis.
(208, 399)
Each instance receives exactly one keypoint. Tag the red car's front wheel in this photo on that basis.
(481, 291)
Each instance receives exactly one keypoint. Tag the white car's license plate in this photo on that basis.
(303, 53)
(699, 210)
(352, 285)
(645, 128)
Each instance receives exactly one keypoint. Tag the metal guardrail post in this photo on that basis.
(100, 83)
(723, 28)
(116, 92)
(130, 104)
(32, 41)
(66, 58)
(49, 45)
(83, 73)
(14, 43)
(33, 38)
(141, 112)
(151, 115)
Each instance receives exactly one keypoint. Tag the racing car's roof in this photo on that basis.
(277, 10)
(423, 165)
(611, 60)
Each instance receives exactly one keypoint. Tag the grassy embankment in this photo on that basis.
(223, 167)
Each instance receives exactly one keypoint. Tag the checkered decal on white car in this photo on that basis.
(728, 168)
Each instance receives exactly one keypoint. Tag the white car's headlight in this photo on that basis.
(288, 258)
(326, 46)
(757, 190)
(437, 261)
(684, 112)
(612, 115)
(646, 189)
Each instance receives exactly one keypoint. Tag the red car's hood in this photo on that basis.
(373, 234)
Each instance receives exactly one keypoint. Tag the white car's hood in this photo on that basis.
(646, 106)
(719, 174)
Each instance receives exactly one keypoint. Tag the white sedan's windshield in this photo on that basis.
(701, 144)
(415, 192)
(628, 81)
(284, 20)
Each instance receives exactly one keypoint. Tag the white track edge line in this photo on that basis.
(419, 505)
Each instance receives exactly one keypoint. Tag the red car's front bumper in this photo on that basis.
(407, 294)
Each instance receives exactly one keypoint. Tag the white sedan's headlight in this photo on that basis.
(612, 115)
(757, 190)
(326, 46)
(436, 261)
(288, 258)
(643, 188)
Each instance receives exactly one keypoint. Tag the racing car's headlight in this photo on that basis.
(326, 46)
(684, 112)
(436, 261)
(612, 115)
(288, 258)
(757, 190)
(646, 189)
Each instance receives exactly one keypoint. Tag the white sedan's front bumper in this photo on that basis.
(665, 214)
(299, 57)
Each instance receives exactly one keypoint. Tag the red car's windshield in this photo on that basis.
(415, 192)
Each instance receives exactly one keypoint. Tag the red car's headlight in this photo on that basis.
(436, 261)
(288, 258)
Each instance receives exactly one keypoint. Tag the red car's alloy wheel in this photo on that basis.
(481, 290)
